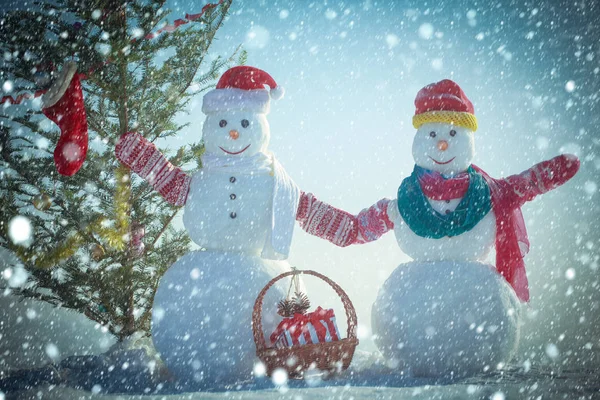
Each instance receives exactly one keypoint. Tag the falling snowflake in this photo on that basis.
(552, 351)
(392, 40)
(257, 37)
(52, 351)
(570, 274)
(260, 370)
(590, 187)
(19, 230)
(7, 87)
(330, 14)
(279, 377)
(426, 31)
(570, 86)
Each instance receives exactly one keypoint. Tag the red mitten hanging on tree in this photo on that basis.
(63, 104)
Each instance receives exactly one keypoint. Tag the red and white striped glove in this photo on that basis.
(340, 227)
(540, 178)
(147, 161)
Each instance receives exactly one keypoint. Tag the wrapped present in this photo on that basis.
(318, 326)
(327, 352)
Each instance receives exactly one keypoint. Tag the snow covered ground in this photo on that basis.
(513, 384)
(540, 378)
(369, 379)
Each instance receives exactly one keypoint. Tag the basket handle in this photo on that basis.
(257, 329)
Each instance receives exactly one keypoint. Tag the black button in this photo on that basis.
(232, 196)
(448, 211)
(232, 179)
(233, 214)
(447, 201)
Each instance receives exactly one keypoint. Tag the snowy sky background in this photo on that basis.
(351, 71)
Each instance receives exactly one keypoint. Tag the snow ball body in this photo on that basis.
(201, 318)
(445, 318)
(229, 212)
(201, 321)
(446, 313)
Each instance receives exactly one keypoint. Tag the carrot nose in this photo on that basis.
(442, 145)
(234, 134)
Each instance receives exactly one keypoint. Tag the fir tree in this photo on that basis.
(80, 255)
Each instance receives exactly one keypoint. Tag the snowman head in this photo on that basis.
(445, 124)
(444, 148)
(236, 133)
(236, 113)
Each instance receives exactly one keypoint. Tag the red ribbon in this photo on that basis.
(21, 97)
(324, 315)
(297, 326)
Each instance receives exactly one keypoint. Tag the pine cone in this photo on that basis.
(301, 303)
(285, 308)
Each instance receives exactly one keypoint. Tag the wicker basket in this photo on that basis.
(329, 356)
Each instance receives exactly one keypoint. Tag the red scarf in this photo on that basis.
(511, 236)
(436, 187)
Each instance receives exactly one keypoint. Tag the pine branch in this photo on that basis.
(211, 37)
(162, 231)
(61, 204)
(123, 91)
(26, 123)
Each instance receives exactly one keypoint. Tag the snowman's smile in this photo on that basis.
(442, 163)
(235, 152)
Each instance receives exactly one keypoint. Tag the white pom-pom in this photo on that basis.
(277, 92)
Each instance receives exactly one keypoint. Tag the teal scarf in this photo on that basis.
(424, 221)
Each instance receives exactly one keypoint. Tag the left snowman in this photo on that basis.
(241, 208)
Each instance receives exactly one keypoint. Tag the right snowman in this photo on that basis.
(448, 313)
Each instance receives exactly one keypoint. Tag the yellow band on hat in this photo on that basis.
(459, 118)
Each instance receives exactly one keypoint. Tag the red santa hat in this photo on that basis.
(445, 102)
(242, 88)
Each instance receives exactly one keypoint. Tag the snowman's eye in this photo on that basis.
(245, 123)
(432, 134)
(222, 123)
(452, 133)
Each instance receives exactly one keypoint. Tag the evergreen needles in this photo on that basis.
(132, 84)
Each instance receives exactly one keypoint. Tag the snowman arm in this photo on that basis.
(340, 227)
(539, 179)
(147, 161)
(374, 221)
